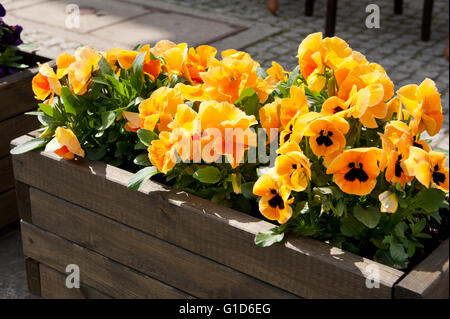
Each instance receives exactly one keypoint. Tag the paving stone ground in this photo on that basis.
(396, 45)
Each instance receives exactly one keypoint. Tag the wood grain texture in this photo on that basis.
(53, 286)
(16, 94)
(96, 271)
(429, 279)
(23, 201)
(172, 265)
(33, 276)
(6, 174)
(302, 266)
(14, 127)
(8, 208)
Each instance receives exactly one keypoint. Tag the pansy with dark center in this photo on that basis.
(356, 173)
(398, 167)
(337, 109)
(276, 201)
(325, 139)
(438, 177)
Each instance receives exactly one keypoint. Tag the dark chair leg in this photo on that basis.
(330, 22)
(426, 19)
(309, 8)
(398, 6)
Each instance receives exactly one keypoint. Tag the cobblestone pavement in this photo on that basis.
(396, 45)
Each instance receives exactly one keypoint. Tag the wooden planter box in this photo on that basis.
(16, 97)
(160, 243)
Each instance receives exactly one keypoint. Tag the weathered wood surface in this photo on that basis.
(302, 266)
(429, 279)
(14, 127)
(172, 265)
(98, 272)
(8, 208)
(33, 276)
(23, 201)
(6, 174)
(16, 95)
(53, 286)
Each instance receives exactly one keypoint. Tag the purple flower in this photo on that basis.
(10, 34)
(2, 11)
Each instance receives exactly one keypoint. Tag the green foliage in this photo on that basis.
(141, 177)
(208, 175)
(249, 102)
(30, 145)
(269, 238)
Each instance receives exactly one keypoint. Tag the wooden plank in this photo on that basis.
(8, 208)
(14, 127)
(177, 267)
(429, 279)
(302, 266)
(16, 95)
(97, 271)
(53, 286)
(23, 201)
(6, 174)
(33, 276)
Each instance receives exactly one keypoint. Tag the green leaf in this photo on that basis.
(146, 136)
(429, 199)
(350, 226)
(399, 229)
(411, 249)
(105, 67)
(261, 72)
(69, 101)
(398, 252)
(420, 225)
(137, 72)
(293, 76)
(29, 145)
(46, 108)
(96, 154)
(269, 238)
(142, 160)
(208, 175)
(140, 146)
(247, 190)
(141, 177)
(108, 119)
(249, 102)
(369, 217)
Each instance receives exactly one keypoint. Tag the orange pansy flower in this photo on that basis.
(356, 170)
(296, 103)
(161, 105)
(326, 135)
(315, 53)
(45, 83)
(293, 167)
(197, 61)
(63, 62)
(80, 71)
(65, 144)
(274, 203)
(133, 124)
(269, 118)
(428, 167)
(423, 102)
